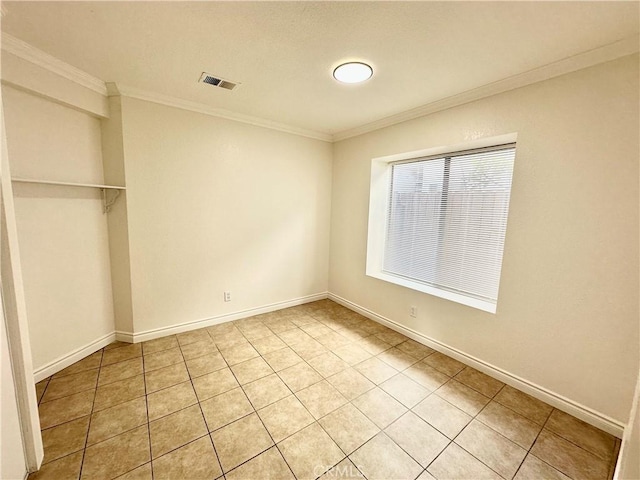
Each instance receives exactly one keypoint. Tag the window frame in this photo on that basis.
(379, 204)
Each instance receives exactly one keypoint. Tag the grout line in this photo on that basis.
(146, 404)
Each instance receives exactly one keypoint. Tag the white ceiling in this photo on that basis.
(283, 53)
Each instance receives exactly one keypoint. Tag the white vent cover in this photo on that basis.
(217, 81)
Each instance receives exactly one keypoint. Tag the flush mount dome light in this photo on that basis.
(353, 72)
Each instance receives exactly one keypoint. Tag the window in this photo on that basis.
(441, 227)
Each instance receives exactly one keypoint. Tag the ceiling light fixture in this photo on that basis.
(353, 72)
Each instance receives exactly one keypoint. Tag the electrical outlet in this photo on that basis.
(227, 296)
(414, 311)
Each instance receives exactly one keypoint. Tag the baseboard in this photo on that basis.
(207, 322)
(78, 354)
(582, 412)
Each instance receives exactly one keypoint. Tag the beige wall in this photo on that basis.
(217, 205)
(62, 231)
(567, 316)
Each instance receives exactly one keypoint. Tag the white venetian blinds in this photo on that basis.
(447, 220)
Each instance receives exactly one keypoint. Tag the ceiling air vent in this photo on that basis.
(217, 82)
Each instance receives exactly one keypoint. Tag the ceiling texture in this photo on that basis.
(283, 53)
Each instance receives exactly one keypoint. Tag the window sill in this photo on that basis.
(436, 292)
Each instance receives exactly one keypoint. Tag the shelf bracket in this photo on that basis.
(107, 202)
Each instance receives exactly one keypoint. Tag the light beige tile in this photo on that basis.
(299, 376)
(309, 349)
(257, 332)
(159, 344)
(381, 408)
(535, 469)
(427, 376)
(87, 363)
(321, 398)
(442, 415)
(251, 370)
(405, 390)
(281, 325)
(195, 460)
(65, 438)
(198, 349)
(225, 408)
(62, 469)
(175, 430)
(352, 354)
(117, 455)
(463, 397)
(582, 434)
(239, 353)
(426, 476)
(116, 344)
(524, 404)
(505, 421)
(65, 409)
(166, 377)
(115, 420)
(348, 427)
(381, 459)
(285, 417)
(376, 370)
(282, 358)
(293, 336)
(241, 440)
(118, 392)
(266, 391)
(171, 399)
(491, 448)
(70, 384)
(214, 383)
(205, 364)
(373, 345)
(455, 463)
(331, 339)
(154, 361)
(415, 349)
(193, 336)
(343, 470)
(121, 354)
(120, 371)
(444, 363)
(268, 465)
(316, 330)
(350, 383)
(328, 364)
(416, 437)
(391, 337)
(310, 452)
(570, 459)
(268, 344)
(397, 358)
(480, 382)
(143, 472)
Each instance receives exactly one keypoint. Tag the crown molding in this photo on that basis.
(133, 92)
(23, 50)
(603, 54)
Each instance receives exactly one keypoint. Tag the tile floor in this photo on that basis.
(307, 392)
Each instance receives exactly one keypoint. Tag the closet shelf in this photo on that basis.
(107, 202)
(68, 184)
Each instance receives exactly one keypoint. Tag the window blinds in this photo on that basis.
(447, 220)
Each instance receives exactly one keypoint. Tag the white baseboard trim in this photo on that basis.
(582, 412)
(78, 354)
(207, 322)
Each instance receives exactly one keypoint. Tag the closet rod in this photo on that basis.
(68, 184)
